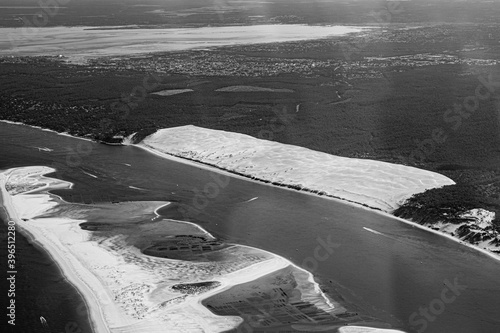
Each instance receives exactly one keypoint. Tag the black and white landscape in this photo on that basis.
(249, 166)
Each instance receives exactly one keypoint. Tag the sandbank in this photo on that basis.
(79, 44)
(183, 153)
(253, 89)
(125, 290)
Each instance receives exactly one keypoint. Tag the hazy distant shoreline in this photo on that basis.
(78, 44)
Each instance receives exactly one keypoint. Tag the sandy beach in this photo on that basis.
(125, 290)
(185, 150)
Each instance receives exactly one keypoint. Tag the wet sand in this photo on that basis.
(124, 289)
(82, 43)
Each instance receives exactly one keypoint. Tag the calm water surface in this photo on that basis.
(390, 274)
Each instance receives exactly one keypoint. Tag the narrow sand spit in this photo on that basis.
(253, 89)
(171, 92)
(125, 290)
(81, 43)
(371, 183)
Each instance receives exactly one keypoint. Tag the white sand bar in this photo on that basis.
(372, 183)
(171, 92)
(253, 89)
(125, 290)
(79, 43)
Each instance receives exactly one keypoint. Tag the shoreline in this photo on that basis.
(337, 199)
(45, 130)
(106, 315)
(96, 321)
(73, 42)
(247, 178)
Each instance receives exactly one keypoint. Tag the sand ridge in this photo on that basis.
(371, 183)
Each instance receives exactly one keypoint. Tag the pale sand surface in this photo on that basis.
(368, 182)
(252, 89)
(125, 290)
(171, 92)
(81, 43)
(445, 230)
(360, 329)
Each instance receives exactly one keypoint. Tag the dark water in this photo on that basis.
(393, 274)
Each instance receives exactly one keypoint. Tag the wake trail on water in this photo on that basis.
(89, 174)
(250, 200)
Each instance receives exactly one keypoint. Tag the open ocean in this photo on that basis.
(388, 274)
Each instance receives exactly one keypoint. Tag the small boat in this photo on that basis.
(44, 322)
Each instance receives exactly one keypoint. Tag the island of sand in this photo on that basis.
(139, 272)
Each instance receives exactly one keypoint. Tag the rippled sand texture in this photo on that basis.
(372, 183)
(101, 250)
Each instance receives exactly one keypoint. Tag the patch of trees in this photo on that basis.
(442, 204)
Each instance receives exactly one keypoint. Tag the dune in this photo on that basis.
(371, 183)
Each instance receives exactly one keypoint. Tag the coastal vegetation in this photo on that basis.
(383, 101)
(445, 204)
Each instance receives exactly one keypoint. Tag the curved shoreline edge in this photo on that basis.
(215, 168)
(103, 313)
(93, 309)
(209, 167)
(248, 178)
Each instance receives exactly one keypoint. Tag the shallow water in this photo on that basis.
(79, 43)
(388, 275)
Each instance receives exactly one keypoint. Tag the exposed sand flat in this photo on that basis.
(171, 92)
(253, 89)
(81, 43)
(125, 290)
(360, 329)
(372, 183)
